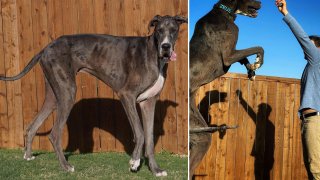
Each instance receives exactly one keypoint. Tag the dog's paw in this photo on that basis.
(28, 157)
(253, 78)
(134, 165)
(251, 75)
(69, 168)
(257, 65)
(160, 173)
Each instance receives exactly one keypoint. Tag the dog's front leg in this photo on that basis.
(238, 55)
(147, 112)
(129, 103)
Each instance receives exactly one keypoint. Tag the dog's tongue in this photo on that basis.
(173, 56)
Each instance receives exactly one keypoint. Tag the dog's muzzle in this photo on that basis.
(167, 52)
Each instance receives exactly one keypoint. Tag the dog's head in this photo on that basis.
(248, 7)
(166, 30)
(243, 7)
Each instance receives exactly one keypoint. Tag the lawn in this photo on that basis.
(109, 165)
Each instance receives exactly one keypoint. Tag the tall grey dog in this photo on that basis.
(132, 66)
(212, 52)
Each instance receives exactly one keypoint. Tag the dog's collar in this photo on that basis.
(226, 8)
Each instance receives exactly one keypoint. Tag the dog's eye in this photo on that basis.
(160, 31)
(172, 30)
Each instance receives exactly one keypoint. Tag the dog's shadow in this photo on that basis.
(89, 117)
(212, 97)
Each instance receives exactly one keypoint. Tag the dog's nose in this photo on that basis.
(166, 46)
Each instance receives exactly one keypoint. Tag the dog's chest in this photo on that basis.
(153, 90)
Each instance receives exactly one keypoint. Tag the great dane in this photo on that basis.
(212, 52)
(132, 66)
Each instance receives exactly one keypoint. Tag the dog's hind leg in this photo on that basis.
(199, 142)
(129, 103)
(147, 112)
(62, 80)
(46, 109)
(65, 102)
(199, 145)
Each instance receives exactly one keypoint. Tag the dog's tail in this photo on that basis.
(30, 65)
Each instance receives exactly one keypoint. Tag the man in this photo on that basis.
(310, 93)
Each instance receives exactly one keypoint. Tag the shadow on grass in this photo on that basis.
(108, 115)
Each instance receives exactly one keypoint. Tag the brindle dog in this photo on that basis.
(212, 52)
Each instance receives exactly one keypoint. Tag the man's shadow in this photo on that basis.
(107, 115)
(263, 148)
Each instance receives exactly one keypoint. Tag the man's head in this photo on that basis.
(315, 40)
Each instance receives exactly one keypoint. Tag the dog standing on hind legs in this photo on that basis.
(134, 67)
(212, 52)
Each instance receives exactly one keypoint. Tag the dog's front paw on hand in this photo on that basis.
(134, 165)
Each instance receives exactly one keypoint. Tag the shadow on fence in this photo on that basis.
(264, 143)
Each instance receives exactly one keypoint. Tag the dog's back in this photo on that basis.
(214, 33)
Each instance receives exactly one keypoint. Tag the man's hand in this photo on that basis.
(282, 6)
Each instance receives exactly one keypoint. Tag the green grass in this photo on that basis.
(109, 165)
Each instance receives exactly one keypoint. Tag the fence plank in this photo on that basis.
(232, 135)
(75, 124)
(103, 10)
(270, 131)
(251, 118)
(40, 40)
(223, 117)
(262, 122)
(291, 113)
(286, 121)
(168, 92)
(3, 90)
(279, 124)
(241, 133)
(12, 66)
(211, 105)
(91, 137)
(181, 67)
(55, 30)
(28, 83)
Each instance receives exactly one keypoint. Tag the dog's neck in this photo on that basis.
(226, 10)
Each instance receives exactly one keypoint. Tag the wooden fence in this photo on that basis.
(97, 122)
(267, 144)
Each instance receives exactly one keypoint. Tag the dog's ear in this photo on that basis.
(181, 19)
(154, 22)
